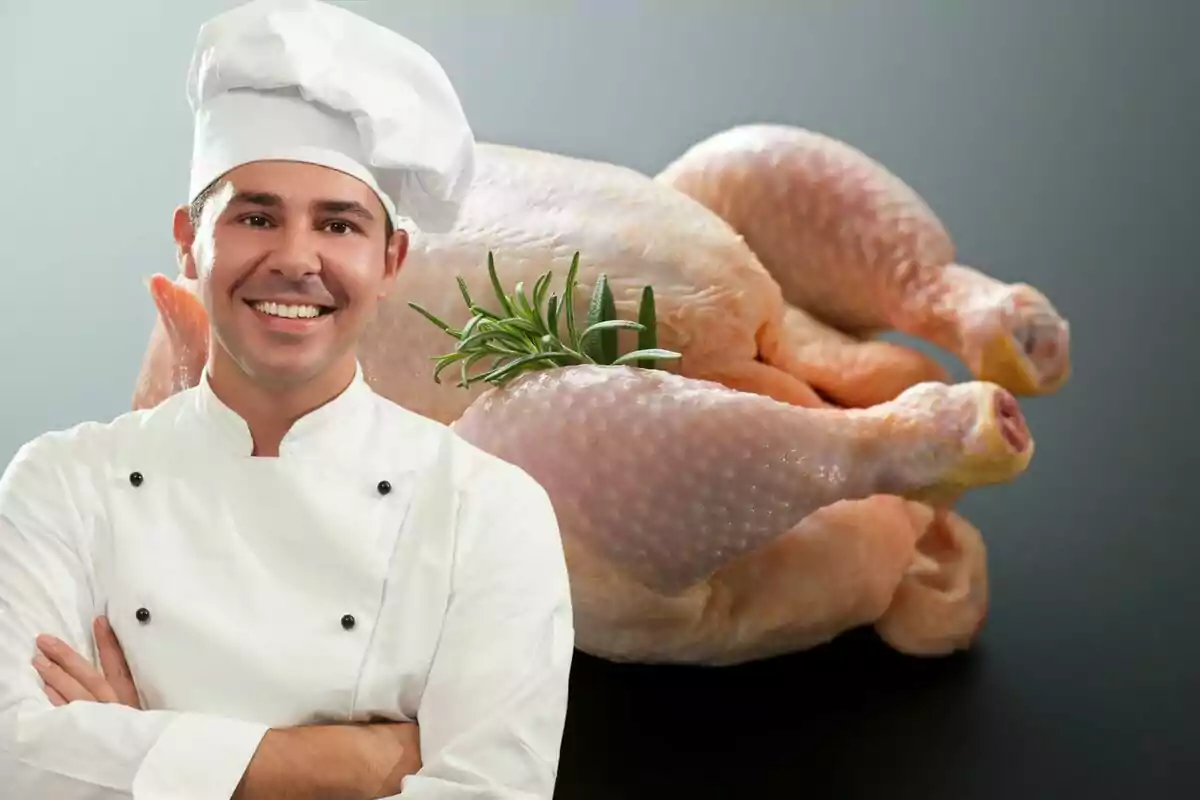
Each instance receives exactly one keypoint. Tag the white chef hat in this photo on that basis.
(302, 80)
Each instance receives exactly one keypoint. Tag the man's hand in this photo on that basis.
(70, 678)
(356, 761)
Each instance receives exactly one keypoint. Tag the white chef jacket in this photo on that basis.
(379, 566)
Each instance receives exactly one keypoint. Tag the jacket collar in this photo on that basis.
(339, 423)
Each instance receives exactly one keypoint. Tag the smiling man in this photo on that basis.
(285, 336)
(277, 583)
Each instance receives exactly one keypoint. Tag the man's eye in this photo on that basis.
(339, 227)
(255, 220)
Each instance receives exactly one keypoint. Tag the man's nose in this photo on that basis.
(298, 254)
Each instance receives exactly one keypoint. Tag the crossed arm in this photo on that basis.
(87, 738)
(346, 761)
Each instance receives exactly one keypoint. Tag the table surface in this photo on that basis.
(855, 720)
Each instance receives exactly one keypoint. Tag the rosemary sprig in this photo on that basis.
(525, 335)
(647, 316)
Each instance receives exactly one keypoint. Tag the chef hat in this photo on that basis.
(302, 80)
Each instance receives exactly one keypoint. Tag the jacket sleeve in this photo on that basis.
(83, 750)
(494, 707)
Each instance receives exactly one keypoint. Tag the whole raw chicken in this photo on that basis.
(788, 478)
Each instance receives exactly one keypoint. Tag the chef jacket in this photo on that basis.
(380, 566)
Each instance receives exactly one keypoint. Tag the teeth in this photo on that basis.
(288, 312)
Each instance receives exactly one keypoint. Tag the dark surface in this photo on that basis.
(854, 720)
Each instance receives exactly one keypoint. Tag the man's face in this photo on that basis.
(291, 259)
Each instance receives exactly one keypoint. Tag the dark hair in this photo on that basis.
(196, 209)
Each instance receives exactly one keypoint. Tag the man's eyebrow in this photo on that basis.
(257, 199)
(344, 207)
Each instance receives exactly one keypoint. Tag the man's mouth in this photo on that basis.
(289, 310)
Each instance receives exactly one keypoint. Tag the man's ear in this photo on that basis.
(185, 238)
(397, 250)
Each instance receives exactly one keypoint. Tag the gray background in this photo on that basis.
(1055, 139)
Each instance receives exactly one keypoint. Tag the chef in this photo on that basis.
(279, 583)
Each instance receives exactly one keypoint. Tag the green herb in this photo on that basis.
(647, 338)
(525, 335)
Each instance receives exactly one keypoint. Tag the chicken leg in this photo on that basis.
(670, 478)
(854, 246)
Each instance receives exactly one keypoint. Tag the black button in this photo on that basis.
(348, 621)
(143, 615)
(135, 478)
(384, 487)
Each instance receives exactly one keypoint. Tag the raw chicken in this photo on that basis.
(724, 540)
(660, 481)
